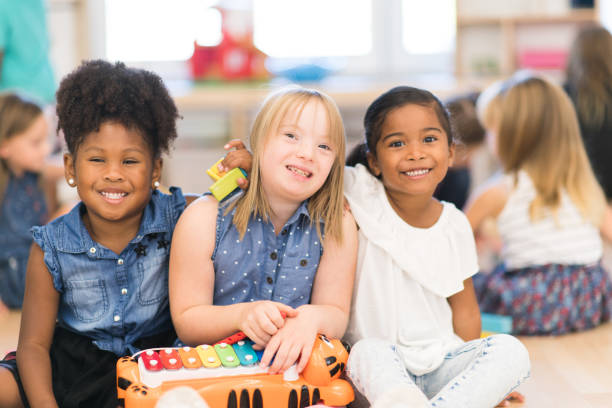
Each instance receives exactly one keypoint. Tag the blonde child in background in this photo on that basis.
(286, 246)
(414, 319)
(549, 208)
(26, 184)
(96, 284)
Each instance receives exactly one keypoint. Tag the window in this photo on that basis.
(159, 30)
(313, 28)
(428, 27)
(386, 38)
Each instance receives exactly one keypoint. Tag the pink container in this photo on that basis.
(542, 59)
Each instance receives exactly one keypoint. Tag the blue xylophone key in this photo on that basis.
(245, 352)
(259, 354)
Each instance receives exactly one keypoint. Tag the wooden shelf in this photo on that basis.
(574, 16)
(489, 45)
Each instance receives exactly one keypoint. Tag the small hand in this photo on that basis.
(240, 157)
(292, 342)
(261, 320)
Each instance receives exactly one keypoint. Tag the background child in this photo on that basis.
(457, 184)
(589, 85)
(285, 246)
(24, 200)
(548, 207)
(100, 270)
(414, 314)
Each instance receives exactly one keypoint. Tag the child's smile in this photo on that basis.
(300, 172)
(113, 171)
(417, 173)
(113, 196)
(412, 154)
(302, 147)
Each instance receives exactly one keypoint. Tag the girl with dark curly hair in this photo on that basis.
(97, 276)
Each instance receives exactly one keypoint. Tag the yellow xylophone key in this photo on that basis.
(190, 357)
(208, 356)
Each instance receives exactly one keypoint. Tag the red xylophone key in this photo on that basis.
(170, 359)
(151, 360)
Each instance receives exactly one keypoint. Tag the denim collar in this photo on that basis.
(302, 210)
(74, 237)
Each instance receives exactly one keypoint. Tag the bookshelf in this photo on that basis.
(494, 41)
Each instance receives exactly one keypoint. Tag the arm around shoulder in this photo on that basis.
(36, 333)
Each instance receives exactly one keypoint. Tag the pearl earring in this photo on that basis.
(156, 184)
(71, 182)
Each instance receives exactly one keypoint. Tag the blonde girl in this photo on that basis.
(548, 207)
(285, 247)
(24, 200)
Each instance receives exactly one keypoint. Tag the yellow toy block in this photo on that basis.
(225, 182)
(214, 172)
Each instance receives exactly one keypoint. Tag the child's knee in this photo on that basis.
(515, 351)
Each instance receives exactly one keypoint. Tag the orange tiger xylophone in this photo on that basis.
(228, 375)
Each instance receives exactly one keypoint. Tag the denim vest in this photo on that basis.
(263, 265)
(113, 299)
(23, 206)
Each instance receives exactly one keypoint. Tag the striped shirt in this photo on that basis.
(565, 239)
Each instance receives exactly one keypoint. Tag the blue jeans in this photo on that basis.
(12, 281)
(477, 374)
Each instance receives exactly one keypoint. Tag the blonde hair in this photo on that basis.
(487, 105)
(538, 132)
(589, 76)
(17, 114)
(327, 204)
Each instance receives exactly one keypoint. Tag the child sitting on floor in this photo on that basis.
(548, 207)
(414, 317)
(96, 285)
(286, 246)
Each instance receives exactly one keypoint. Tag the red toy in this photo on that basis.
(235, 57)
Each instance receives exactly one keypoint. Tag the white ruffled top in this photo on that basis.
(405, 274)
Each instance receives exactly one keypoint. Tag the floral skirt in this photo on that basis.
(547, 299)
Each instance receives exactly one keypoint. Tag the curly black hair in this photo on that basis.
(99, 91)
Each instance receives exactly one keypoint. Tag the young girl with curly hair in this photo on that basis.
(96, 284)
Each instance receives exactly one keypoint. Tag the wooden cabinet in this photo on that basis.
(497, 38)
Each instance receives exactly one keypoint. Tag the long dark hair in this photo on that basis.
(378, 110)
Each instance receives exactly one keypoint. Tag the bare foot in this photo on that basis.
(513, 396)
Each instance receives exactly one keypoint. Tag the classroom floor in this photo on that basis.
(571, 371)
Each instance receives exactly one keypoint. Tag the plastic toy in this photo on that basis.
(492, 323)
(225, 182)
(235, 58)
(228, 376)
